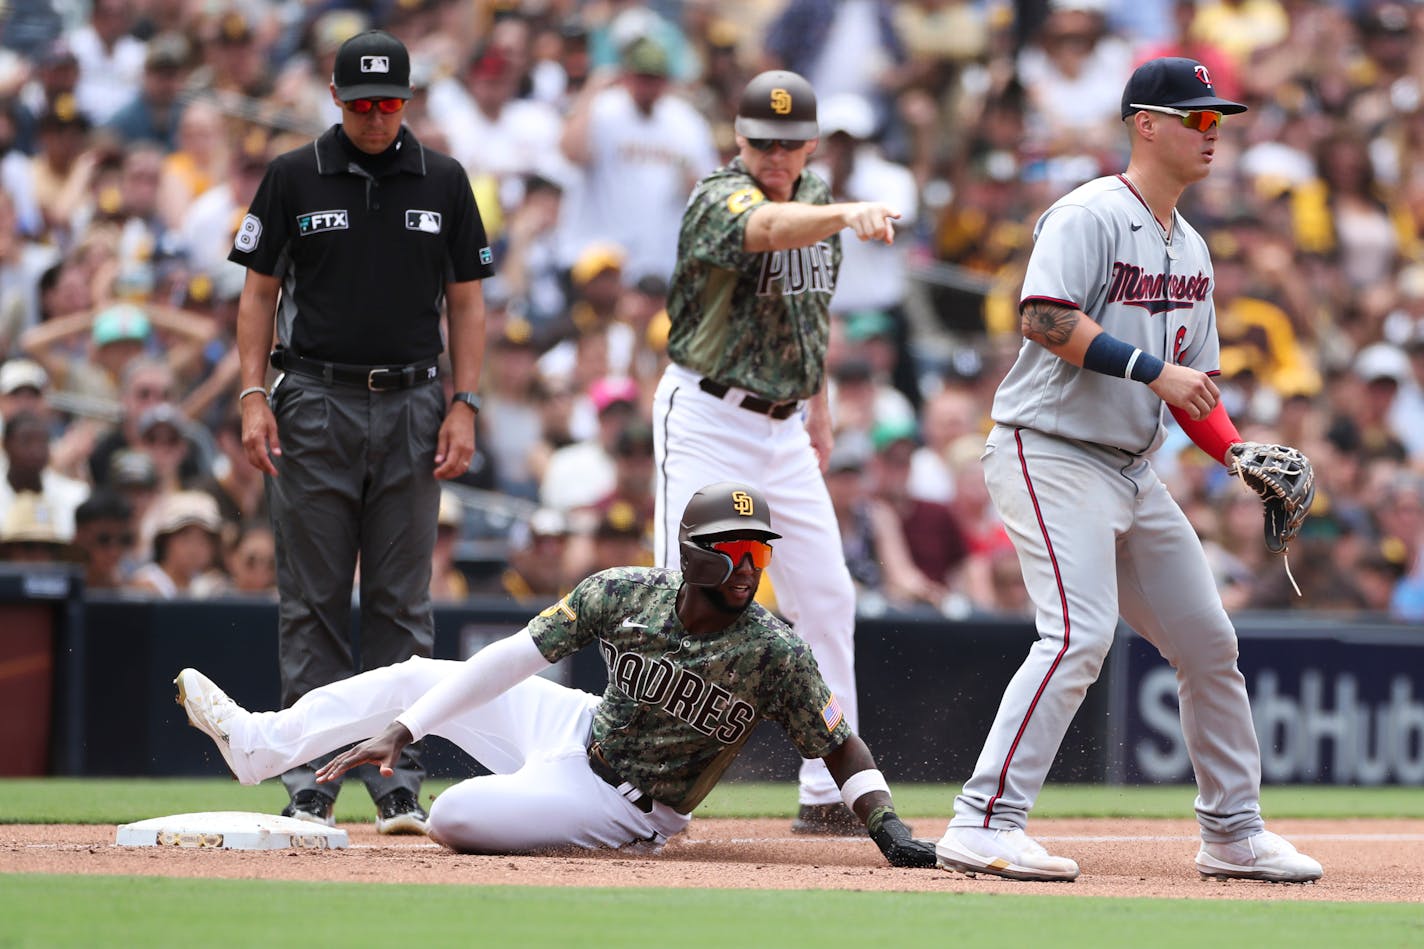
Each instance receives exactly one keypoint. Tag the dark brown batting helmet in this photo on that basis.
(778, 104)
(724, 508)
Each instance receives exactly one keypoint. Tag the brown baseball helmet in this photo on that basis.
(777, 104)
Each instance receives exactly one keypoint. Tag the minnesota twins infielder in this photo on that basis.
(693, 665)
(1118, 316)
(743, 397)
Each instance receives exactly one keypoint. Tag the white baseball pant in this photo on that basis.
(534, 737)
(700, 439)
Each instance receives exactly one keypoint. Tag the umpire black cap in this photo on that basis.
(1177, 83)
(777, 104)
(372, 65)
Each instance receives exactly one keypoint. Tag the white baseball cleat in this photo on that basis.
(1005, 853)
(1264, 856)
(209, 710)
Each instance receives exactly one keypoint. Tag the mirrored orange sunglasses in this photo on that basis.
(758, 550)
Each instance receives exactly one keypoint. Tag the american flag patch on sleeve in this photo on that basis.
(831, 714)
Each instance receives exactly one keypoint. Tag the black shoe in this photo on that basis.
(399, 813)
(311, 805)
(830, 820)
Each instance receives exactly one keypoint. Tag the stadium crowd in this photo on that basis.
(133, 134)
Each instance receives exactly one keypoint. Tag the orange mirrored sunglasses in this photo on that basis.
(386, 106)
(758, 550)
(1199, 119)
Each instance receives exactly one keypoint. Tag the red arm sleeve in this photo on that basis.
(1213, 434)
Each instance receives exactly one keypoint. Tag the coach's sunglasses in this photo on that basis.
(767, 144)
(758, 550)
(1199, 119)
(385, 106)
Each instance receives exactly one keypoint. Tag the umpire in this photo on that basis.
(352, 245)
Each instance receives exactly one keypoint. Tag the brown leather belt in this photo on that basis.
(613, 779)
(751, 403)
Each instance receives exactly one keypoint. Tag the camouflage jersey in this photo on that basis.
(757, 321)
(678, 708)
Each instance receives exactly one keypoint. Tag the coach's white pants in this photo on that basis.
(533, 737)
(699, 440)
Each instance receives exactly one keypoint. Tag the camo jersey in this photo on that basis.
(757, 321)
(678, 708)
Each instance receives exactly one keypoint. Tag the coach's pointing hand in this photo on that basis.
(872, 221)
(383, 750)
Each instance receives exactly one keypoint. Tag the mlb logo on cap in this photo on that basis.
(372, 65)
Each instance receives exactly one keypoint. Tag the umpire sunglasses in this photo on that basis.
(758, 550)
(1199, 119)
(767, 144)
(385, 106)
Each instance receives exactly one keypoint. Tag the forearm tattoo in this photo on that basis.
(1049, 324)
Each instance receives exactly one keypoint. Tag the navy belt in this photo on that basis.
(613, 779)
(375, 378)
(752, 403)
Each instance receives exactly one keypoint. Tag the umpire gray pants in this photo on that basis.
(355, 477)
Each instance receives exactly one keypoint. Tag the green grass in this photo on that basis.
(44, 910)
(87, 911)
(120, 800)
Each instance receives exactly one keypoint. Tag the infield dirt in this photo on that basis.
(1364, 860)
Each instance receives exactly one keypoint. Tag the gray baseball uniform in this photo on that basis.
(1096, 531)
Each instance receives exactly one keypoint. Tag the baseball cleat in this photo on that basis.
(1005, 853)
(209, 710)
(1264, 856)
(311, 806)
(399, 813)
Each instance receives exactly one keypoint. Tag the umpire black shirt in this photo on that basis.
(364, 246)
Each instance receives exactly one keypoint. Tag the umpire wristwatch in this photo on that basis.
(469, 398)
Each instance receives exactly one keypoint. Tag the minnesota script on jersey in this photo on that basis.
(1099, 249)
(678, 707)
(758, 321)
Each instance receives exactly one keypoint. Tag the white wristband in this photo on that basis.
(862, 783)
(248, 391)
(1132, 361)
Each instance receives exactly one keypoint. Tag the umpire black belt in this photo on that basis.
(613, 779)
(375, 378)
(752, 403)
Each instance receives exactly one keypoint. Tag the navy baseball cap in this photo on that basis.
(372, 65)
(1177, 83)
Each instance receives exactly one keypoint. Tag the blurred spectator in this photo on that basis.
(110, 59)
(23, 384)
(948, 415)
(147, 383)
(251, 560)
(132, 475)
(236, 485)
(510, 413)
(26, 443)
(22, 262)
(63, 166)
(554, 399)
(491, 131)
(641, 149)
(104, 536)
(632, 475)
(614, 536)
(932, 538)
(1366, 424)
(848, 490)
(1240, 27)
(579, 474)
(165, 436)
(874, 276)
(530, 274)
(597, 283)
(839, 46)
(200, 162)
(538, 551)
(184, 529)
(152, 114)
(28, 533)
(447, 582)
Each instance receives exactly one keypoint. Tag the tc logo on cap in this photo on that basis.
(376, 64)
(780, 101)
(1202, 74)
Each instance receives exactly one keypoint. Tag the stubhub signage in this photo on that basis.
(1334, 706)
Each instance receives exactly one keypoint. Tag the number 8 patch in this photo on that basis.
(247, 233)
